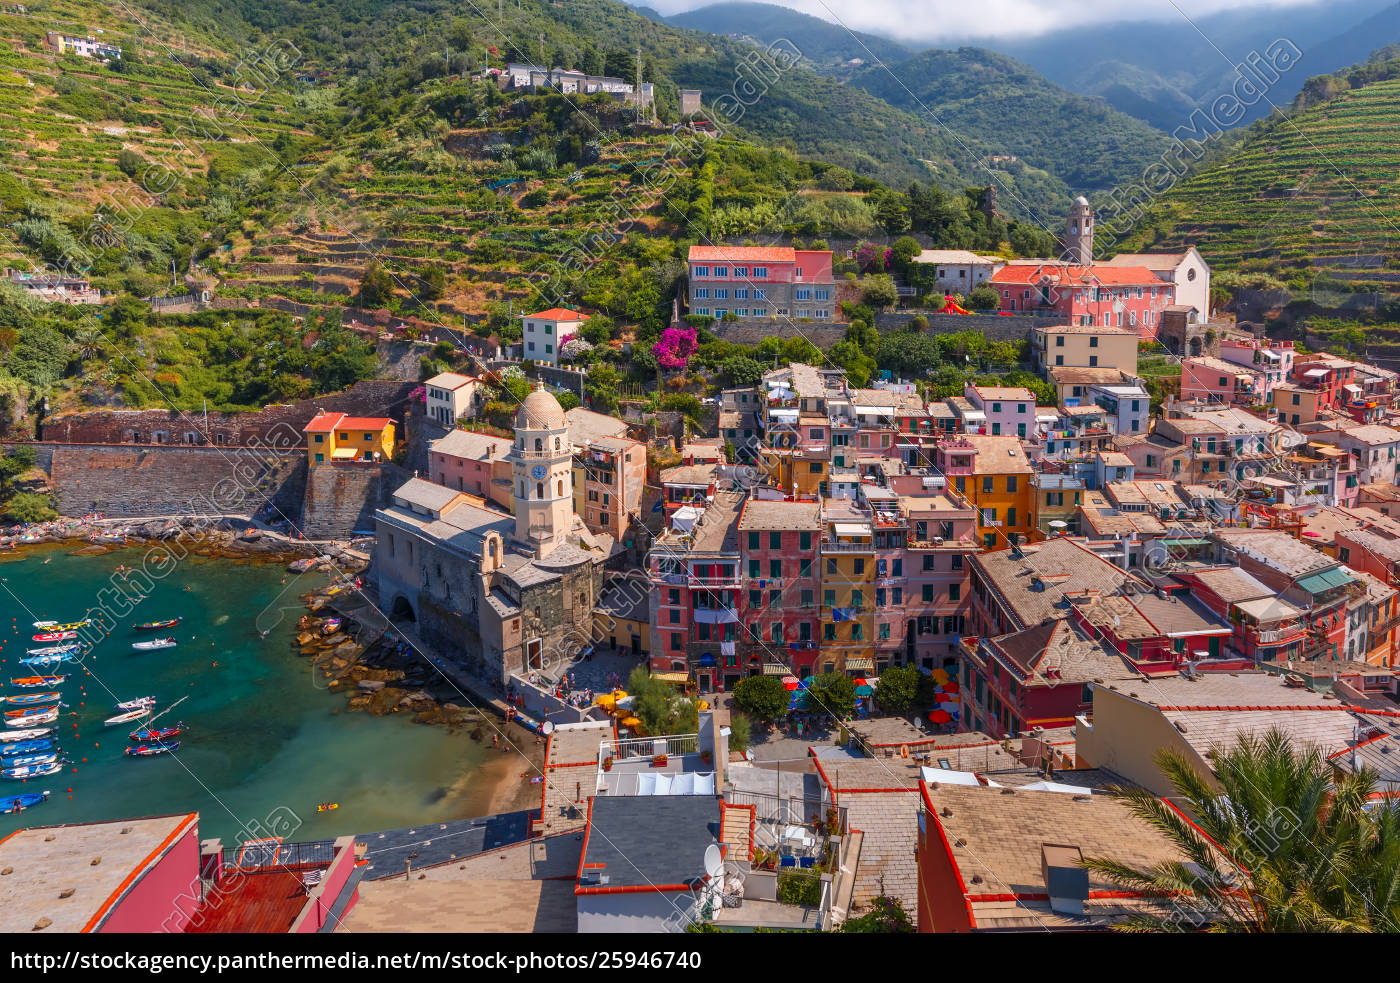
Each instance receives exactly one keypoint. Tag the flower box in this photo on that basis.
(659, 761)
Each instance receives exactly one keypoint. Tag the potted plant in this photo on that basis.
(607, 764)
(659, 761)
(707, 756)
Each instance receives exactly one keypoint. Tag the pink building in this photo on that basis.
(1131, 297)
(1272, 359)
(1010, 411)
(761, 282)
(1223, 383)
(474, 463)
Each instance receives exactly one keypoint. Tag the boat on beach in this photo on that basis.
(140, 703)
(25, 699)
(8, 737)
(158, 747)
(55, 636)
(29, 682)
(40, 715)
(153, 644)
(18, 803)
(156, 625)
(32, 771)
(126, 717)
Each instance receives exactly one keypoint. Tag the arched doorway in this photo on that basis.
(402, 610)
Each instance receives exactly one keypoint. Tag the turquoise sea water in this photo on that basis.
(265, 741)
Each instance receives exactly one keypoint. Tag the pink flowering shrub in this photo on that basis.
(676, 346)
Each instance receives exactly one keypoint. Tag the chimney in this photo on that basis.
(715, 739)
(1065, 881)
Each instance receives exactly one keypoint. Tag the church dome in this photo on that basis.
(540, 411)
(1082, 201)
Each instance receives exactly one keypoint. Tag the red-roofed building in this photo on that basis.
(338, 438)
(761, 281)
(1131, 297)
(543, 333)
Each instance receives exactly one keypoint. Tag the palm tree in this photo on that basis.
(1287, 844)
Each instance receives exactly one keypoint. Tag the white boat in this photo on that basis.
(156, 643)
(127, 717)
(52, 650)
(11, 736)
(46, 717)
(33, 771)
(140, 703)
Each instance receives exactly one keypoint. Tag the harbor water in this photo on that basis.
(265, 741)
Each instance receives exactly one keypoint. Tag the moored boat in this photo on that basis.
(146, 735)
(29, 760)
(127, 717)
(55, 636)
(157, 643)
(25, 699)
(140, 703)
(25, 713)
(32, 771)
(18, 803)
(157, 747)
(39, 715)
(8, 737)
(156, 625)
(29, 682)
(56, 626)
(28, 747)
(52, 650)
(46, 660)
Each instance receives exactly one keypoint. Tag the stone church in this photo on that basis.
(500, 594)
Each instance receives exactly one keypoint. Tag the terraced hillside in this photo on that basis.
(1315, 192)
(121, 169)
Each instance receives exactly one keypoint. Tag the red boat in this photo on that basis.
(145, 735)
(56, 636)
(156, 625)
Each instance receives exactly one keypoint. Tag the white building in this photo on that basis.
(544, 332)
(1129, 406)
(959, 271)
(88, 47)
(450, 397)
(1188, 271)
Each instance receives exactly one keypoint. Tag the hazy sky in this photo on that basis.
(929, 20)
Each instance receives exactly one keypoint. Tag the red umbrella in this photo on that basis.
(860, 681)
(950, 687)
(790, 683)
(947, 698)
(940, 716)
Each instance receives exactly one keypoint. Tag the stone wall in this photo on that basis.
(823, 334)
(341, 498)
(278, 427)
(1017, 328)
(173, 480)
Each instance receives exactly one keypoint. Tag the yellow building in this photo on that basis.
(999, 486)
(1085, 346)
(336, 437)
(797, 472)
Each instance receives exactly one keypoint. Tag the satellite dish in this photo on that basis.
(714, 863)
(547, 728)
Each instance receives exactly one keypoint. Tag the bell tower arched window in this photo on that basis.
(539, 445)
(539, 490)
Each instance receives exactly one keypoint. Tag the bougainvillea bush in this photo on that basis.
(675, 347)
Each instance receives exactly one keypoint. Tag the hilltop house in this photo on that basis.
(761, 281)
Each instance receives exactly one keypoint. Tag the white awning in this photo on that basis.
(1315, 373)
(945, 777)
(851, 529)
(786, 416)
(684, 518)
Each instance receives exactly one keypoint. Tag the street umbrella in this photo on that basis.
(864, 690)
(860, 681)
(950, 687)
(940, 716)
(947, 698)
(789, 683)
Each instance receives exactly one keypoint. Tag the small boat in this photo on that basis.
(18, 803)
(127, 717)
(26, 760)
(145, 735)
(331, 626)
(158, 747)
(32, 771)
(28, 747)
(46, 660)
(29, 682)
(40, 715)
(55, 636)
(55, 626)
(140, 703)
(25, 713)
(19, 736)
(52, 650)
(156, 625)
(157, 643)
(327, 806)
(25, 699)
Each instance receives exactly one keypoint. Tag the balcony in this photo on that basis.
(1281, 636)
(843, 547)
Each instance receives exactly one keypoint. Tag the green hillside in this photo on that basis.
(1314, 191)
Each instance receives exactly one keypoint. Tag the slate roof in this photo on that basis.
(652, 841)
